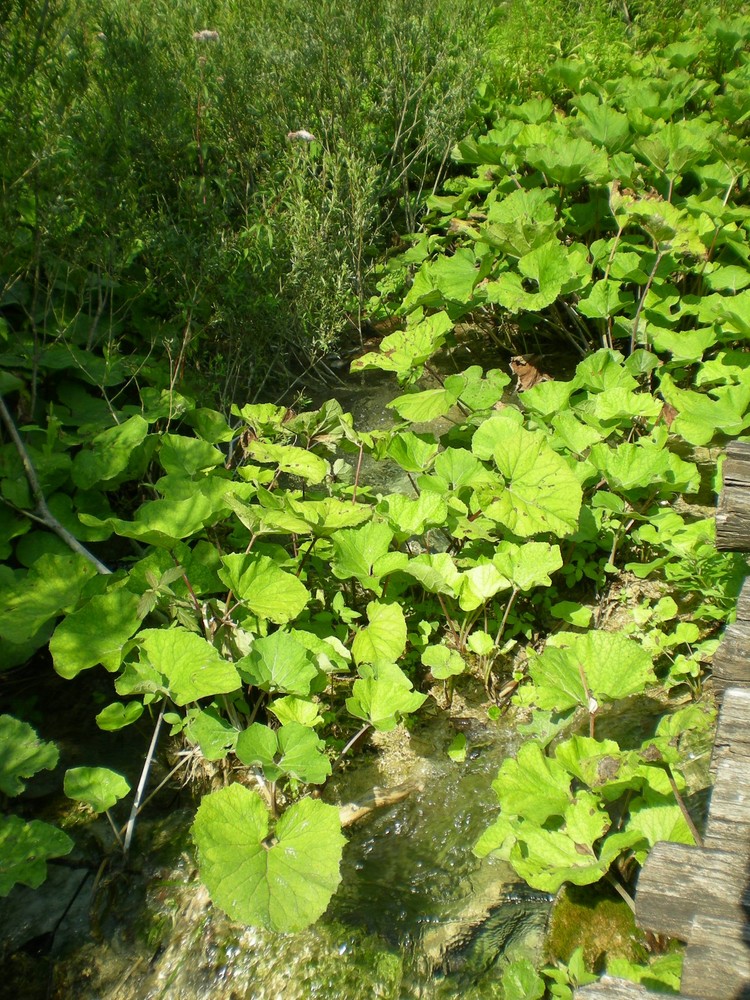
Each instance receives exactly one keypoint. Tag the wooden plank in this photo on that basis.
(733, 513)
(677, 882)
(609, 988)
(717, 960)
(732, 740)
(728, 826)
(731, 663)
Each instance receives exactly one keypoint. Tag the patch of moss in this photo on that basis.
(595, 919)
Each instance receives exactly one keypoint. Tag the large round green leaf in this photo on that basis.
(266, 588)
(95, 633)
(22, 754)
(541, 492)
(284, 881)
(98, 787)
(24, 850)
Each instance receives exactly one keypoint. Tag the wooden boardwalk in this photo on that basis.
(701, 895)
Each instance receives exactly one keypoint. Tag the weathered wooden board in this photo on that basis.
(717, 960)
(731, 663)
(677, 882)
(702, 895)
(732, 740)
(728, 826)
(733, 512)
(620, 989)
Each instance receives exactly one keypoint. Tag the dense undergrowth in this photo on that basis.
(231, 570)
(157, 189)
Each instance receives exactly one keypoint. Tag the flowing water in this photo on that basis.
(417, 914)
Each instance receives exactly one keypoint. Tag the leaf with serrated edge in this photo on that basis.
(284, 883)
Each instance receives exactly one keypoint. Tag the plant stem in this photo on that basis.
(130, 828)
(498, 637)
(163, 782)
(43, 512)
(356, 474)
(634, 334)
(357, 736)
(621, 891)
(683, 808)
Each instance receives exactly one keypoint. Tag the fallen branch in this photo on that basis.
(43, 514)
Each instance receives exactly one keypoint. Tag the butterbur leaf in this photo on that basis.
(456, 468)
(664, 970)
(606, 298)
(357, 552)
(547, 268)
(406, 351)
(323, 518)
(701, 415)
(293, 709)
(532, 786)
(604, 370)
(118, 715)
(541, 493)
(279, 663)
(421, 407)
(187, 456)
(522, 221)
(163, 522)
(529, 565)
(612, 665)
(657, 817)
(22, 754)
(52, 585)
(268, 590)
(572, 613)
(302, 754)
(443, 662)
(602, 124)
(413, 452)
(570, 162)
(98, 787)
(480, 583)
(481, 392)
(95, 633)
(288, 458)
(257, 746)
(452, 278)
(437, 572)
(293, 750)
(109, 454)
(644, 464)
(546, 859)
(481, 643)
(282, 882)
(213, 734)
(385, 636)
(521, 981)
(191, 666)
(409, 517)
(25, 849)
(382, 695)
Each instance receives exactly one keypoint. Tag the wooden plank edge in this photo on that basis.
(609, 988)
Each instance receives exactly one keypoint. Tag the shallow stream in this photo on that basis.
(417, 914)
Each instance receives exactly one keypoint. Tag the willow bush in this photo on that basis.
(151, 191)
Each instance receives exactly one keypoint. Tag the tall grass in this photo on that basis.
(151, 192)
